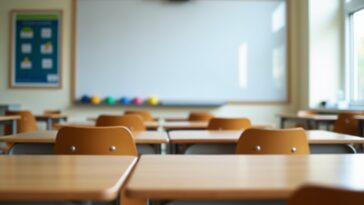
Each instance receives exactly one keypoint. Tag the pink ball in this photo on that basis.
(137, 101)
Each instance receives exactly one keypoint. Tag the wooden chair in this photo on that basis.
(264, 141)
(315, 195)
(229, 124)
(146, 115)
(347, 124)
(95, 141)
(27, 123)
(200, 116)
(305, 113)
(132, 121)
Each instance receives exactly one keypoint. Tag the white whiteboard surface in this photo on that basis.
(198, 50)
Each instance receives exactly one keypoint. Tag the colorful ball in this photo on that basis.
(95, 100)
(110, 100)
(153, 101)
(85, 99)
(125, 101)
(137, 101)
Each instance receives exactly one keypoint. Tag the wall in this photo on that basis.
(326, 51)
(37, 100)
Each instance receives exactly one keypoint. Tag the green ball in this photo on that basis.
(110, 100)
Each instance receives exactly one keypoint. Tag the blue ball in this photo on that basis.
(125, 101)
(85, 99)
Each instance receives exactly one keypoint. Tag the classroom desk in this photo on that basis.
(50, 119)
(198, 125)
(42, 142)
(12, 120)
(316, 120)
(150, 125)
(63, 178)
(143, 137)
(205, 136)
(249, 177)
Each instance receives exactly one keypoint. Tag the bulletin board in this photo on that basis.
(36, 48)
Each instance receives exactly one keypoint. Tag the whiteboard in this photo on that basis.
(197, 50)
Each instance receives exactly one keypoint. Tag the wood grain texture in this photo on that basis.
(240, 177)
(9, 118)
(60, 178)
(204, 136)
(143, 137)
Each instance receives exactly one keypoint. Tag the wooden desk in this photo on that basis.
(196, 125)
(150, 125)
(204, 136)
(50, 119)
(63, 178)
(241, 177)
(12, 120)
(144, 137)
(315, 119)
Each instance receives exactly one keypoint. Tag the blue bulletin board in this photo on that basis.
(36, 49)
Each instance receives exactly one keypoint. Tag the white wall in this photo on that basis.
(326, 51)
(37, 99)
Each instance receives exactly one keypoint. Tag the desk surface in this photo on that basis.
(308, 117)
(9, 117)
(193, 125)
(204, 136)
(60, 178)
(150, 125)
(144, 137)
(240, 177)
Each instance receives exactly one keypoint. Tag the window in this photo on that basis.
(356, 51)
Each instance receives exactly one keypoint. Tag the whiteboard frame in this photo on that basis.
(255, 102)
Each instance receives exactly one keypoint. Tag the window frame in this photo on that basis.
(351, 7)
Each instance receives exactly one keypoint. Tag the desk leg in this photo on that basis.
(361, 127)
(316, 125)
(281, 125)
(13, 127)
(49, 124)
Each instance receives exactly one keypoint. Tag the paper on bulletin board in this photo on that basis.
(36, 49)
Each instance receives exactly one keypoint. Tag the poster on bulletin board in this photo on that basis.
(36, 49)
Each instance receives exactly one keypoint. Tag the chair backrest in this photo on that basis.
(133, 122)
(27, 122)
(346, 123)
(229, 124)
(95, 141)
(200, 116)
(270, 141)
(314, 195)
(146, 115)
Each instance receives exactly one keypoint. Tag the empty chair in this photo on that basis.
(304, 113)
(27, 122)
(347, 124)
(264, 141)
(229, 124)
(314, 195)
(95, 141)
(200, 116)
(220, 124)
(146, 115)
(133, 122)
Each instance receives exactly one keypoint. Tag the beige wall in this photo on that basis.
(38, 99)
